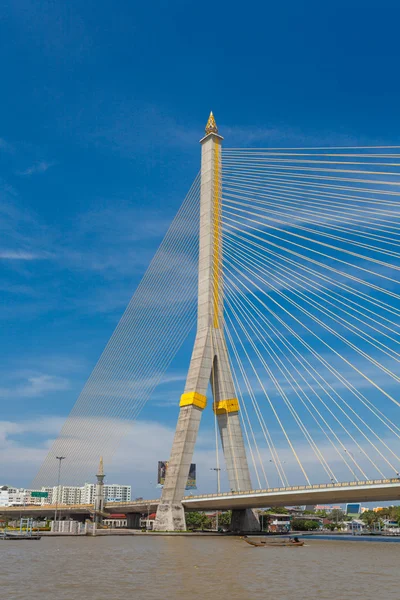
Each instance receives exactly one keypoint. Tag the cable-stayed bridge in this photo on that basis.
(379, 490)
(288, 261)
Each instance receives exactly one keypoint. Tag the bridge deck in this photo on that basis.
(354, 491)
(380, 490)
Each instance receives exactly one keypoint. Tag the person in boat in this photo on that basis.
(295, 540)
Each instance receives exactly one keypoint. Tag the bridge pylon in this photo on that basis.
(209, 362)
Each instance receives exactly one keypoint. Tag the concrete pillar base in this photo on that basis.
(244, 521)
(170, 517)
(133, 521)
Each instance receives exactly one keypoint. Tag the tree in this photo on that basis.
(389, 512)
(265, 518)
(333, 526)
(304, 525)
(370, 518)
(336, 515)
(198, 520)
(224, 519)
(278, 510)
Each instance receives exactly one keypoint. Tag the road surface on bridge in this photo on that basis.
(380, 490)
(376, 490)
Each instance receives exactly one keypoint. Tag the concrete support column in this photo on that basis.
(209, 362)
(133, 521)
(170, 513)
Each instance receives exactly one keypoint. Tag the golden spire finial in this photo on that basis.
(211, 126)
(101, 467)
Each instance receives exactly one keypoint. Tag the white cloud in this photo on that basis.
(23, 255)
(39, 167)
(35, 386)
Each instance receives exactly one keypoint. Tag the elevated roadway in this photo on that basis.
(380, 490)
(374, 490)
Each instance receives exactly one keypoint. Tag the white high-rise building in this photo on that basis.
(49, 499)
(66, 494)
(113, 492)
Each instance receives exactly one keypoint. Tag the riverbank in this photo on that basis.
(343, 537)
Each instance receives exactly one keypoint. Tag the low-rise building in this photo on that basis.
(277, 523)
(147, 521)
(116, 521)
(354, 526)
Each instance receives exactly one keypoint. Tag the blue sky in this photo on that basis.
(102, 106)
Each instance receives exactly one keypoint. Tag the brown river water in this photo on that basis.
(166, 568)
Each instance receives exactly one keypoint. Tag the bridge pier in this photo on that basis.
(245, 521)
(133, 520)
(170, 517)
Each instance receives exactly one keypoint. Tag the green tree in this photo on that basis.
(278, 510)
(370, 518)
(336, 515)
(224, 519)
(265, 518)
(396, 514)
(334, 526)
(198, 520)
(304, 525)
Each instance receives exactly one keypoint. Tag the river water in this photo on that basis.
(167, 568)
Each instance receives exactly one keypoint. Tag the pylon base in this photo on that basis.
(244, 521)
(170, 517)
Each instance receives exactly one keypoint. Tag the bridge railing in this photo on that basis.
(295, 488)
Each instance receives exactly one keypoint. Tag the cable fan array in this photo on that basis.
(312, 314)
(159, 317)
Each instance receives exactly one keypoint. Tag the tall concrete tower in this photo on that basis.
(209, 362)
(99, 491)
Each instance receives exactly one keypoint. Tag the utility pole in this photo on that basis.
(217, 470)
(60, 459)
(148, 513)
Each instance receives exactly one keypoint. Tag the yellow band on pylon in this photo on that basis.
(193, 398)
(226, 406)
(217, 237)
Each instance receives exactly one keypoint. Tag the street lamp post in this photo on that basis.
(148, 512)
(217, 470)
(60, 459)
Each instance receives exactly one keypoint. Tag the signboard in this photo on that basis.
(353, 509)
(39, 494)
(191, 482)
(162, 471)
